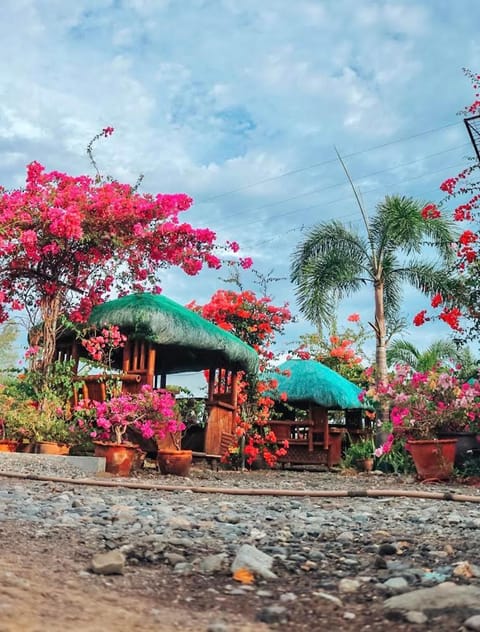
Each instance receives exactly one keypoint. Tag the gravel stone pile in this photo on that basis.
(338, 550)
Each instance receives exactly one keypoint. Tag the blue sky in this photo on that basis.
(240, 103)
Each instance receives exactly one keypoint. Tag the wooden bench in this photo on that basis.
(310, 443)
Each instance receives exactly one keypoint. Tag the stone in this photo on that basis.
(396, 584)
(387, 549)
(213, 563)
(445, 595)
(414, 616)
(111, 563)
(253, 559)
(327, 597)
(473, 623)
(347, 585)
(272, 614)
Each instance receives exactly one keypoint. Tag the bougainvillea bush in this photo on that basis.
(462, 200)
(256, 321)
(151, 413)
(342, 351)
(66, 242)
(423, 404)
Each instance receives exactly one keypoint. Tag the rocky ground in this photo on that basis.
(336, 562)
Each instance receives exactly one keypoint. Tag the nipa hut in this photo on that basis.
(164, 338)
(315, 389)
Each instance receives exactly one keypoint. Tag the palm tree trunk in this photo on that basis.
(380, 335)
(380, 344)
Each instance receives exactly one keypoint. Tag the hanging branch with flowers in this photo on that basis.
(462, 311)
(256, 321)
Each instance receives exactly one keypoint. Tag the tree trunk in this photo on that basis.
(380, 335)
(381, 346)
(50, 311)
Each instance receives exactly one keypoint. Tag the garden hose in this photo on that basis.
(236, 491)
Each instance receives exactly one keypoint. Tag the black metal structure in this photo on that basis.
(472, 123)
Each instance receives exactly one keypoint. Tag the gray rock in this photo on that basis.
(327, 597)
(348, 585)
(414, 616)
(272, 614)
(396, 584)
(473, 623)
(218, 626)
(445, 595)
(111, 563)
(213, 563)
(253, 559)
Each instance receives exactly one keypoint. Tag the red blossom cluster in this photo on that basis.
(100, 347)
(256, 321)
(252, 319)
(430, 211)
(467, 247)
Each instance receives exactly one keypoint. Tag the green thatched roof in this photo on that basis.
(188, 342)
(311, 381)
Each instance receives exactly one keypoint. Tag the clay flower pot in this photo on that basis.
(175, 462)
(433, 458)
(119, 457)
(51, 447)
(8, 445)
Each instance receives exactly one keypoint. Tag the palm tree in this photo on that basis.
(440, 353)
(335, 261)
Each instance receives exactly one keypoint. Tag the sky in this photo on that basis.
(241, 104)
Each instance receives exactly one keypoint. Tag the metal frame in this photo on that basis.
(474, 132)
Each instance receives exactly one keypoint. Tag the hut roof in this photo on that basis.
(189, 342)
(311, 381)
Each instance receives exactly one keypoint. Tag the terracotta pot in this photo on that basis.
(175, 462)
(8, 445)
(366, 465)
(468, 443)
(51, 447)
(433, 458)
(119, 457)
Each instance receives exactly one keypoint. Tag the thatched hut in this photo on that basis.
(165, 338)
(315, 389)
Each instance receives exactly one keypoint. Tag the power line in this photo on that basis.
(317, 204)
(244, 212)
(324, 162)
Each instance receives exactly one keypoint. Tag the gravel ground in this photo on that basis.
(350, 563)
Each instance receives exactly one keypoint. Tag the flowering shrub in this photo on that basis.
(150, 412)
(68, 241)
(423, 404)
(256, 321)
(340, 351)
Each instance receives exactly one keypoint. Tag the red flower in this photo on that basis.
(420, 318)
(451, 317)
(430, 211)
(437, 300)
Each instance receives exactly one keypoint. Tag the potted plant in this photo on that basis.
(17, 418)
(360, 454)
(151, 413)
(422, 405)
(6, 444)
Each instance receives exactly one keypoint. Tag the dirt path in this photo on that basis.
(45, 587)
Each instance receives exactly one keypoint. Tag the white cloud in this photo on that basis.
(212, 97)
